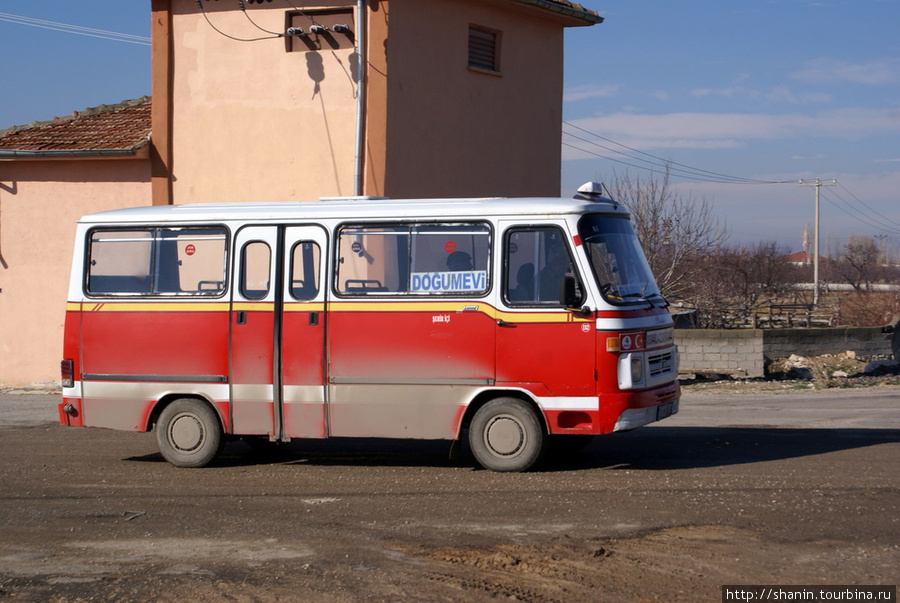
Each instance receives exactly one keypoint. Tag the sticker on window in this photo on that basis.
(443, 282)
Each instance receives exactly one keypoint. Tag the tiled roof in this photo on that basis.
(124, 127)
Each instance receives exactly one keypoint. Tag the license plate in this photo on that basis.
(667, 409)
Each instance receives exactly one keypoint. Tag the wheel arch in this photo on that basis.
(170, 397)
(486, 396)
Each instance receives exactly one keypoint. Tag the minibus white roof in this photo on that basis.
(353, 209)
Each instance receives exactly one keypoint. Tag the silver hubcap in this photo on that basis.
(504, 436)
(186, 433)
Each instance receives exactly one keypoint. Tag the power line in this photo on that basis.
(859, 216)
(229, 36)
(75, 29)
(678, 169)
(254, 23)
(863, 203)
(645, 161)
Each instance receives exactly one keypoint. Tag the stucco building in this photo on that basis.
(283, 100)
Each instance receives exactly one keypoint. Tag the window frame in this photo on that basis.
(341, 231)
(253, 294)
(505, 288)
(154, 241)
(317, 273)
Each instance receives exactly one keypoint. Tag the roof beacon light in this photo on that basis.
(593, 191)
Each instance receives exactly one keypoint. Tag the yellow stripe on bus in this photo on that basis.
(456, 307)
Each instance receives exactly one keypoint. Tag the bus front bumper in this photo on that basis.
(632, 418)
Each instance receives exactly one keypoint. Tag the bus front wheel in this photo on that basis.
(506, 435)
(189, 434)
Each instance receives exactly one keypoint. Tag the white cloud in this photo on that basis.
(875, 72)
(778, 94)
(580, 93)
(784, 94)
(723, 130)
(730, 92)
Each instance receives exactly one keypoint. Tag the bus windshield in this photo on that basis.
(618, 262)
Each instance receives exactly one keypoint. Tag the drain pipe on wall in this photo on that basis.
(361, 41)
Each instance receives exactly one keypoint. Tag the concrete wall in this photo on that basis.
(736, 352)
(744, 352)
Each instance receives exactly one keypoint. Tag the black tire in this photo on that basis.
(506, 435)
(189, 433)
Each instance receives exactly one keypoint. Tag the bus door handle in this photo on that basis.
(241, 317)
(314, 319)
(508, 325)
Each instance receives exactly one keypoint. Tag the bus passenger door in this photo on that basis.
(277, 326)
(303, 333)
(253, 331)
(540, 345)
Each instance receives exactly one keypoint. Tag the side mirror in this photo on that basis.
(570, 297)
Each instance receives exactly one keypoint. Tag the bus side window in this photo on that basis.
(119, 262)
(157, 261)
(537, 261)
(256, 258)
(305, 270)
(372, 259)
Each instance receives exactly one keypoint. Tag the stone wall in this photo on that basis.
(745, 352)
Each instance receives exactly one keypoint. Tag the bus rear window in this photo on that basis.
(157, 262)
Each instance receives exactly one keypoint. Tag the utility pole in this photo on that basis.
(816, 184)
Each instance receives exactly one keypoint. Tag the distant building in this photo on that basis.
(802, 258)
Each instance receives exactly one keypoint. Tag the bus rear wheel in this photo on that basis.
(189, 434)
(506, 435)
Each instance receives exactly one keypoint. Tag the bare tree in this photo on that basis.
(676, 232)
(742, 280)
(859, 263)
(862, 262)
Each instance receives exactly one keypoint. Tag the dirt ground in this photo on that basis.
(746, 485)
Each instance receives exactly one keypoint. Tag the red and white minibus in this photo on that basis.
(516, 322)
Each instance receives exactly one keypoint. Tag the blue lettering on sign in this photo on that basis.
(436, 282)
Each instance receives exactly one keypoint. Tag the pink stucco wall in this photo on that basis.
(40, 202)
(251, 121)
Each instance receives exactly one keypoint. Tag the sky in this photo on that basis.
(741, 99)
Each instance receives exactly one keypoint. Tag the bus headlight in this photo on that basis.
(630, 370)
(637, 368)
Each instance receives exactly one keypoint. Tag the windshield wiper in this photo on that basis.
(653, 299)
(660, 298)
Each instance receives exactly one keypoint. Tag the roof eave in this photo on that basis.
(583, 17)
(141, 151)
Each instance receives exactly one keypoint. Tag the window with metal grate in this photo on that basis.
(483, 49)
